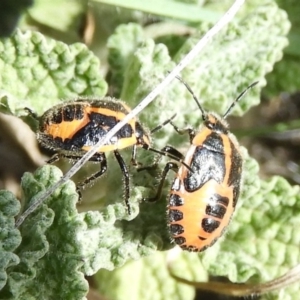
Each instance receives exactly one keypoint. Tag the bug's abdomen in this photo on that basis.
(202, 216)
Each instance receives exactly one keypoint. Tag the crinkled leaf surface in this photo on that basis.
(60, 246)
(49, 244)
(243, 53)
(130, 36)
(37, 72)
(10, 237)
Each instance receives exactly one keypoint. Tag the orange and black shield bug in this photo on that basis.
(72, 128)
(207, 184)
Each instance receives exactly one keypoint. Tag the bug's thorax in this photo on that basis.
(212, 126)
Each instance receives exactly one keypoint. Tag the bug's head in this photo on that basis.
(215, 123)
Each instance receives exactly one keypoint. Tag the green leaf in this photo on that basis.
(49, 244)
(121, 45)
(285, 77)
(242, 53)
(38, 72)
(10, 237)
(176, 10)
(151, 279)
(142, 63)
(58, 241)
(148, 65)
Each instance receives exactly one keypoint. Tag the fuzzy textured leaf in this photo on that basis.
(243, 53)
(37, 72)
(10, 237)
(57, 240)
(49, 244)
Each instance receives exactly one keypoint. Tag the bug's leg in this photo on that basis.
(188, 130)
(97, 157)
(57, 156)
(170, 152)
(126, 179)
(169, 166)
(163, 124)
(54, 158)
(173, 153)
(133, 156)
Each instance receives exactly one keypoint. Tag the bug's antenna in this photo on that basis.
(238, 98)
(194, 96)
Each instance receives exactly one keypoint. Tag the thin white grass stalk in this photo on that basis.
(228, 16)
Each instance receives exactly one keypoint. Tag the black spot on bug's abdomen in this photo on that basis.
(217, 206)
(180, 240)
(67, 113)
(175, 215)
(209, 225)
(176, 229)
(175, 200)
(217, 211)
(72, 112)
(57, 117)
